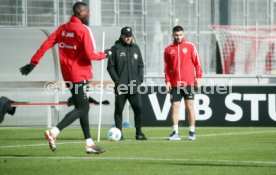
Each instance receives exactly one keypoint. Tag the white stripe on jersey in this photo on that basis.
(92, 37)
(195, 52)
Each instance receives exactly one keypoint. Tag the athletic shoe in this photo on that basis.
(140, 136)
(94, 149)
(51, 140)
(174, 136)
(192, 136)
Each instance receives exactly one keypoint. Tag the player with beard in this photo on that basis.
(77, 48)
(183, 74)
(126, 68)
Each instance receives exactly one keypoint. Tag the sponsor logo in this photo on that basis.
(66, 46)
(234, 103)
(122, 54)
(172, 52)
(67, 34)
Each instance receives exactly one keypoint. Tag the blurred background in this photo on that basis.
(152, 21)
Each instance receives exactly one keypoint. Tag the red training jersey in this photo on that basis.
(182, 64)
(76, 47)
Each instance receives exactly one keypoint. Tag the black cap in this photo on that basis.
(127, 31)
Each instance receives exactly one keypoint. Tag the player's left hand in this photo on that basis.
(108, 53)
(25, 70)
(168, 87)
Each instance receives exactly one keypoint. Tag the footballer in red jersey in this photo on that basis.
(183, 73)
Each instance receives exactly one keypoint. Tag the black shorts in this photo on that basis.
(188, 92)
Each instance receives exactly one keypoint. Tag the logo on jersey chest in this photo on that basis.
(184, 50)
(122, 54)
(135, 55)
(172, 52)
(67, 34)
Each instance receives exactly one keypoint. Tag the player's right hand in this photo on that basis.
(25, 70)
(168, 86)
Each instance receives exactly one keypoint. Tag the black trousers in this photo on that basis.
(136, 104)
(80, 99)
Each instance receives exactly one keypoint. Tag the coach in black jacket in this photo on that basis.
(126, 70)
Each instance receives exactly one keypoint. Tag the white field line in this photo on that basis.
(238, 133)
(151, 138)
(35, 145)
(144, 159)
(223, 134)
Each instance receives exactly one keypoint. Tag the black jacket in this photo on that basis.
(126, 64)
(5, 107)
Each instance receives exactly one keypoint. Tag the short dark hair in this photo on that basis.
(77, 6)
(178, 29)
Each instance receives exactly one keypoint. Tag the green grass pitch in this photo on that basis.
(217, 151)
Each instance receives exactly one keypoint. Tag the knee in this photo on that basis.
(175, 106)
(137, 109)
(190, 107)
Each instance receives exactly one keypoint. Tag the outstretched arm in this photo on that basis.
(48, 43)
(89, 46)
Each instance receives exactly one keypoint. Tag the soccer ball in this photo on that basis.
(114, 134)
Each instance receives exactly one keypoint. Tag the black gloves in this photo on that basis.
(25, 70)
(108, 53)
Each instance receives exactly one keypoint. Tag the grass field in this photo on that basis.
(217, 151)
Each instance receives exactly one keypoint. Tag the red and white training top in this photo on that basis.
(77, 48)
(182, 64)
